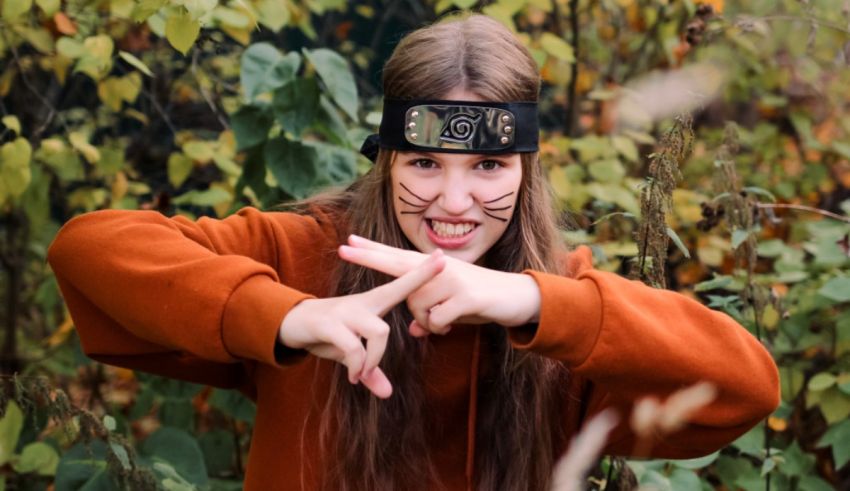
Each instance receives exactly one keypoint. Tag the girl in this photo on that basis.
(455, 236)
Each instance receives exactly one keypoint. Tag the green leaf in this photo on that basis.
(15, 171)
(684, 479)
(614, 193)
(179, 168)
(679, 244)
(70, 47)
(218, 448)
(37, 457)
(49, 7)
(821, 381)
(752, 442)
(250, 126)
(264, 69)
(697, 463)
(838, 437)
(836, 289)
(208, 197)
(796, 461)
(182, 30)
(718, 282)
(273, 14)
(10, 430)
(83, 468)
(334, 72)
(233, 404)
(135, 62)
(11, 121)
(296, 105)
(109, 422)
(626, 147)
(15, 8)
(608, 170)
(842, 148)
(761, 192)
(179, 449)
(557, 47)
(121, 454)
(293, 166)
(739, 236)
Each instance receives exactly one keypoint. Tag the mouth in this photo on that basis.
(450, 235)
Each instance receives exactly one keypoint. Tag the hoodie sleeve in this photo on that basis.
(187, 299)
(628, 341)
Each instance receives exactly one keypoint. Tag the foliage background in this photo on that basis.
(200, 107)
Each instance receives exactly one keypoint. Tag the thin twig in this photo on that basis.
(572, 89)
(194, 68)
(52, 110)
(835, 216)
(812, 20)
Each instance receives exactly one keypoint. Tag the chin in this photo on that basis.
(465, 256)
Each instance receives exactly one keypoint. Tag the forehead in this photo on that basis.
(454, 157)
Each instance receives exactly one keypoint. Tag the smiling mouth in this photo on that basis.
(450, 230)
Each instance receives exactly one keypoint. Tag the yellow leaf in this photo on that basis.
(179, 168)
(182, 30)
(200, 151)
(137, 63)
(96, 60)
(70, 48)
(119, 187)
(39, 38)
(49, 7)
(11, 122)
(557, 47)
(107, 90)
(14, 8)
(130, 86)
(137, 115)
(60, 65)
(241, 36)
(81, 143)
(232, 17)
(6, 80)
(274, 14)
(15, 173)
(123, 9)
(61, 333)
(197, 8)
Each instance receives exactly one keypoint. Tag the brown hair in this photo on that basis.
(519, 421)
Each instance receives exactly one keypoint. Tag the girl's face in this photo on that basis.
(461, 203)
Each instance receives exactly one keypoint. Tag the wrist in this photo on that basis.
(530, 298)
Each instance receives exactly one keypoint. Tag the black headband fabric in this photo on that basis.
(455, 127)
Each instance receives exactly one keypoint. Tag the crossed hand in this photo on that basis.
(440, 291)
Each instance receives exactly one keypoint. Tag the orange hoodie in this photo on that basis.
(203, 301)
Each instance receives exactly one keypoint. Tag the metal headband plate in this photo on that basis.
(460, 127)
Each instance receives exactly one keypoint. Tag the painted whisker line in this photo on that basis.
(413, 212)
(411, 204)
(499, 209)
(497, 218)
(492, 200)
(420, 198)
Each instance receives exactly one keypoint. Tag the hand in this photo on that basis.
(461, 293)
(332, 328)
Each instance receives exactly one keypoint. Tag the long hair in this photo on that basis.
(385, 443)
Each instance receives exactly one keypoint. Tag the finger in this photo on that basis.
(416, 330)
(376, 332)
(441, 317)
(386, 262)
(377, 382)
(387, 296)
(352, 353)
(364, 243)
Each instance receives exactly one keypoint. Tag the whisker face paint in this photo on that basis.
(499, 198)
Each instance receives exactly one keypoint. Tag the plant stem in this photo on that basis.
(572, 89)
(835, 216)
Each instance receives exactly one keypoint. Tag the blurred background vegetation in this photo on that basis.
(200, 107)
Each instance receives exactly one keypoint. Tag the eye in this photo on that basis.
(423, 163)
(489, 164)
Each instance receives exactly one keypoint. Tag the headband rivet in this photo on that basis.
(414, 114)
(413, 136)
(508, 129)
(411, 125)
(504, 140)
(506, 118)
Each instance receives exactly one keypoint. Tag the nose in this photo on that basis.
(456, 196)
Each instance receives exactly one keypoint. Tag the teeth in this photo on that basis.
(451, 229)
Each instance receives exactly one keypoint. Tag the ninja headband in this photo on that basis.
(455, 127)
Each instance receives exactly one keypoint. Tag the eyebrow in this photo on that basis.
(472, 156)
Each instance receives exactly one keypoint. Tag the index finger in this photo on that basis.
(387, 296)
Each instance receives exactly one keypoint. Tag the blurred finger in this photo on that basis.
(388, 263)
(441, 316)
(377, 382)
(387, 296)
(352, 353)
(416, 330)
(376, 332)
